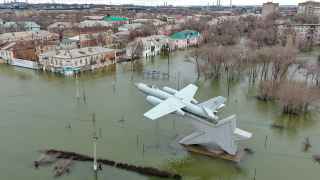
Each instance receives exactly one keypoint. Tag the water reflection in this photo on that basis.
(36, 105)
(99, 73)
(19, 73)
(294, 124)
(204, 168)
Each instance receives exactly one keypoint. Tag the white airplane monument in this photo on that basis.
(210, 132)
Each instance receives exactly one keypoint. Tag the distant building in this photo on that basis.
(64, 29)
(168, 19)
(270, 8)
(31, 26)
(221, 19)
(94, 17)
(309, 8)
(28, 35)
(72, 61)
(61, 26)
(9, 25)
(94, 23)
(150, 46)
(116, 20)
(25, 53)
(94, 39)
(168, 29)
(20, 26)
(5, 54)
(121, 39)
(129, 27)
(185, 39)
(68, 43)
(302, 31)
(155, 22)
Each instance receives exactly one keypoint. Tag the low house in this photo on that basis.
(129, 27)
(55, 27)
(31, 26)
(94, 17)
(301, 32)
(155, 22)
(11, 26)
(147, 46)
(68, 43)
(168, 19)
(115, 20)
(185, 39)
(64, 29)
(25, 53)
(168, 29)
(27, 36)
(5, 54)
(72, 61)
(94, 39)
(94, 23)
(121, 39)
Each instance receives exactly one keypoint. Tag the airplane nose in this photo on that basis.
(137, 84)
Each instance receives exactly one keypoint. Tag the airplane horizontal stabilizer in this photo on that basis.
(214, 103)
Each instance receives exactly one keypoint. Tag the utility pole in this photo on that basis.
(95, 139)
(95, 165)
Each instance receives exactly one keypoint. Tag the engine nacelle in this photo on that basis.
(153, 100)
(169, 90)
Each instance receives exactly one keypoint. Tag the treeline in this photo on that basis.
(251, 48)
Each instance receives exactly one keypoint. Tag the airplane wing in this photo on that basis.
(166, 107)
(187, 93)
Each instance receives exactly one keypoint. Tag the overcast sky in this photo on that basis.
(172, 2)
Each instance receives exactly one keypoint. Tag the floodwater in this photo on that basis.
(37, 108)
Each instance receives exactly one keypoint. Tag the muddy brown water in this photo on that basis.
(37, 110)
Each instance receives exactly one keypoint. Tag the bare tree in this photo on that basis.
(225, 33)
(135, 49)
(196, 54)
(295, 98)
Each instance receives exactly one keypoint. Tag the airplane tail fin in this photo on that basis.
(214, 103)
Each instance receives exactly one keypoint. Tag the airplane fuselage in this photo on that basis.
(156, 96)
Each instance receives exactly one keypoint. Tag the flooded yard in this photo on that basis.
(41, 111)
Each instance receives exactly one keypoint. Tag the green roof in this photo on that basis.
(115, 18)
(186, 34)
